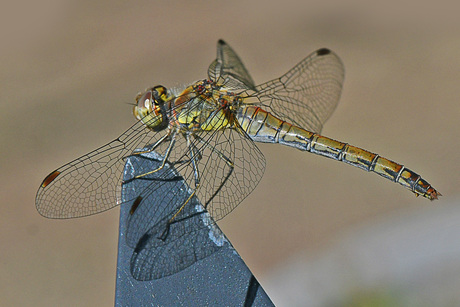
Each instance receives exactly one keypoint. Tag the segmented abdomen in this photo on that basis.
(261, 126)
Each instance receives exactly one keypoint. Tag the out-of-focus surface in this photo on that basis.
(402, 259)
(69, 69)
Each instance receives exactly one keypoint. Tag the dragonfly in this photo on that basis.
(207, 132)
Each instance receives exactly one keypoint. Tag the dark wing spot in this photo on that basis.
(136, 204)
(50, 178)
(323, 51)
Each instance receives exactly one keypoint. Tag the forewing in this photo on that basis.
(169, 230)
(231, 168)
(228, 69)
(308, 93)
(91, 183)
(227, 167)
(163, 247)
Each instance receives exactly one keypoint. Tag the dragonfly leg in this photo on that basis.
(165, 157)
(172, 219)
(161, 140)
(165, 233)
(227, 160)
(195, 155)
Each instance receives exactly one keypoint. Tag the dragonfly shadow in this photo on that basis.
(164, 245)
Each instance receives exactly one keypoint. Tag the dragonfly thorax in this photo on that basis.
(206, 106)
(150, 108)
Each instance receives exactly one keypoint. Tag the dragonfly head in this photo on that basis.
(150, 107)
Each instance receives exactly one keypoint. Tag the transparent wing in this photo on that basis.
(161, 247)
(219, 168)
(188, 238)
(91, 183)
(227, 167)
(228, 69)
(307, 94)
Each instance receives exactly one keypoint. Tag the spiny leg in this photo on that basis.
(186, 160)
(225, 159)
(194, 156)
(165, 157)
(161, 140)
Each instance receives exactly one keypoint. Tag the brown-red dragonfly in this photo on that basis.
(207, 132)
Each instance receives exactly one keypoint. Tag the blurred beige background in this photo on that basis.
(69, 70)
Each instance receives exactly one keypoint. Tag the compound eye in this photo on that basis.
(150, 108)
(144, 105)
(145, 101)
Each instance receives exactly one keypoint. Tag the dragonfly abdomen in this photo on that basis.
(372, 162)
(261, 126)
